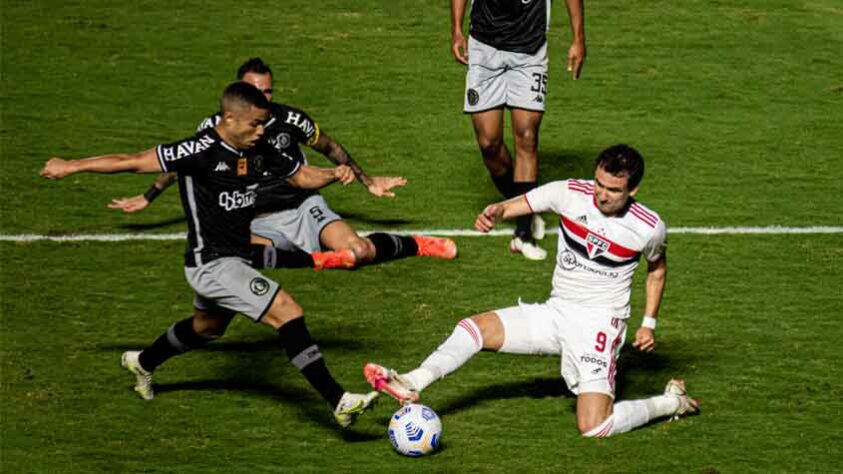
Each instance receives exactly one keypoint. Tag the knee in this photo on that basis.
(490, 146)
(363, 249)
(587, 427)
(491, 330)
(526, 137)
(210, 326)
(284, 309)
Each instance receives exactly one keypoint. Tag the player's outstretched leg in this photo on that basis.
(352, 405)
(464, 343)
(632, 414)
(332, 259)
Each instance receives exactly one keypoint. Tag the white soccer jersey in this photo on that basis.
(597, 255)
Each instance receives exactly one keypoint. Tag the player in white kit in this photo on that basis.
(603, 233)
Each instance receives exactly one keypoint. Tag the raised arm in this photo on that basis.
(144, 162)
(141, 201)
(459, 45)
(645, 336)
(378, 185)
(499, 211)
(312, 177)
(576, 53)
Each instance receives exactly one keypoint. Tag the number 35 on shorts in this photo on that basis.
(539, 86)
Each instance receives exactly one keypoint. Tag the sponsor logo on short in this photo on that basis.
(473, 97)
(222, 166)
(539, 99)
(595, 245)
(259, 286)
(237, 200)
(593, 359)
(568, 261)
(186, 148)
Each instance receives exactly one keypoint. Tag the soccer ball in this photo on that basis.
(415, 430)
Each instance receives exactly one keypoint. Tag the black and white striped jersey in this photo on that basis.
(286, 131)
(218, 187)
(519, 26)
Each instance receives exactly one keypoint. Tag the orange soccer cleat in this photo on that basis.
(344, 259)
(436, 247)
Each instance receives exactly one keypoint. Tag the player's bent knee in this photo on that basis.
(284, 309)
(491, 330)
(363, 249)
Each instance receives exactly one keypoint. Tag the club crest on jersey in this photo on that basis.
(595, 245)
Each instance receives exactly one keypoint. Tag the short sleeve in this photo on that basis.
(553, 196)
(657, 245)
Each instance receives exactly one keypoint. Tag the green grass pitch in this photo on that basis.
(737, 107)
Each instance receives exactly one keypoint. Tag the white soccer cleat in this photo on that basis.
(352, 405)
(527, 248)
(537, 227)
(687, 405)
(390, 382)
(143, 379)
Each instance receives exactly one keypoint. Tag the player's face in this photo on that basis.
(246, 126)
(611, 192)
(262, 81)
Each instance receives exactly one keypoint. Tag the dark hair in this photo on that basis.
(255, 65)
(242, 93)
(622, 161)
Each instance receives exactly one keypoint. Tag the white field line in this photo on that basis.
(441, 232)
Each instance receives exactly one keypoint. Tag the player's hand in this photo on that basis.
(645, 340)
(381, 186)
(490, 216)
(343, 174)
(56, 168)
(129, 205)
(576, 58)
(459, 47)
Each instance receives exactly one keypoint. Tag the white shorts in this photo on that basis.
(496, 78)
(588, 340)
(297, 228)
(229, 285)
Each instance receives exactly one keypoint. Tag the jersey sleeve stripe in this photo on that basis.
(528, 204)
(649, 221)
(161, 161)
(645, 211)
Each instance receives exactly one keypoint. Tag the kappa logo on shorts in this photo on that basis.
(259, 286)
(473, 97)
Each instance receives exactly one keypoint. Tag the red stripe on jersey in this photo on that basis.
(528, 204)
(580, 187)
(642, 217)
(582, 232)
(644, 211)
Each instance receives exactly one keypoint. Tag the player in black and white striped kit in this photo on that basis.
(506, 55)
(219, 170)
(293, 226)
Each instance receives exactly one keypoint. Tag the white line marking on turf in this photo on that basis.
(442, 232)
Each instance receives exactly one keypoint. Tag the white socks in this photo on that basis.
(460, 346)
(634, 413)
